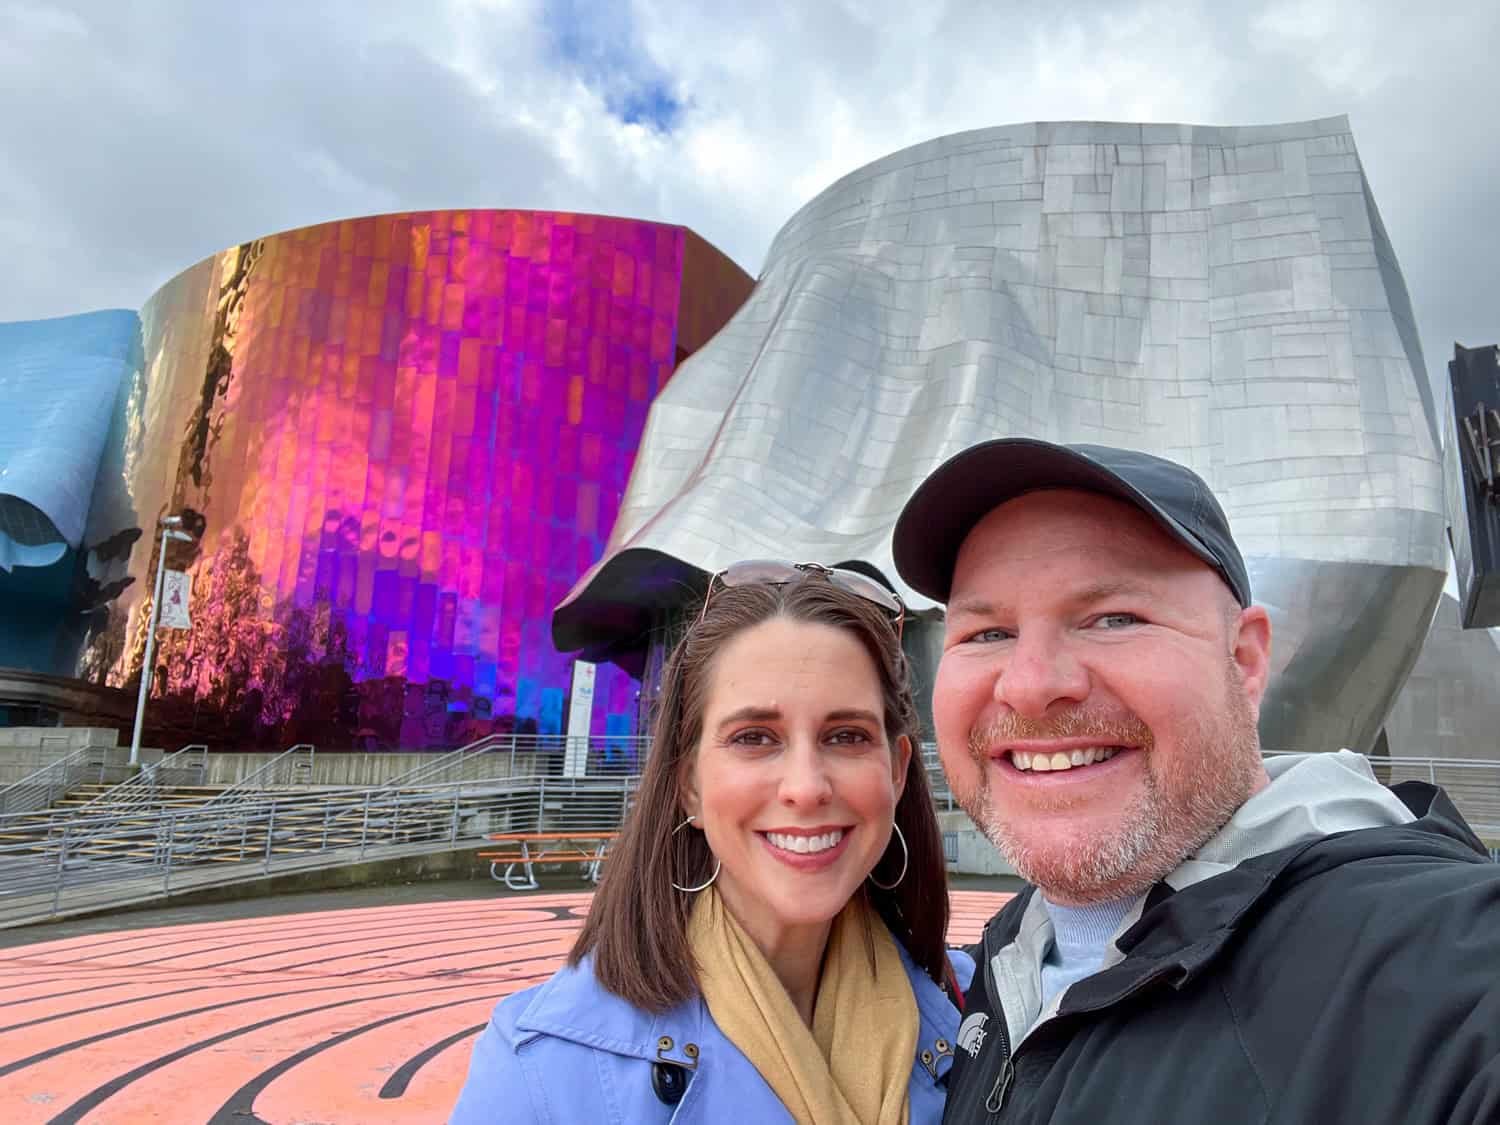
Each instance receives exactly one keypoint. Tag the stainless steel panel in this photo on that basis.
(1225, 297)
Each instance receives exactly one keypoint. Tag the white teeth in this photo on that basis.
(1061, 760)
(805, 845)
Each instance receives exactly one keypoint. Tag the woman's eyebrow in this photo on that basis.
(752, 714)
(852, 715)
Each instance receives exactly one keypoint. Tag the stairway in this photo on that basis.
(44, 825)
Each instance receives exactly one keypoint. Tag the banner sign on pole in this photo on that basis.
(176, 594)
(580, 717)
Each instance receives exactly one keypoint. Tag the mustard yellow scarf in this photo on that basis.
(853, 1066)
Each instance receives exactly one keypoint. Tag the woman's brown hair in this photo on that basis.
(637, 925)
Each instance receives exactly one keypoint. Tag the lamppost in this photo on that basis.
(169, 530)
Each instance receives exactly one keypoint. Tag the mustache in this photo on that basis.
(1107, 729)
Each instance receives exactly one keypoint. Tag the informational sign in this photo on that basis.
(580, 717)
(176, 595)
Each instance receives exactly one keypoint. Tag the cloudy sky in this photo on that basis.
(138, 136)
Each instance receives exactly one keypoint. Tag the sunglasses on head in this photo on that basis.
(772, 572)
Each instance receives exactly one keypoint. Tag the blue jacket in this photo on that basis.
(568, 1051)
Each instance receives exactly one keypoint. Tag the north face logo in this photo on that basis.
(971, 1032)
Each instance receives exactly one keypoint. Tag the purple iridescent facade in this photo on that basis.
(400, 439)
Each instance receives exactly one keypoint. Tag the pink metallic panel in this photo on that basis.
(416, 430)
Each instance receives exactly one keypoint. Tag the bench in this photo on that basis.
(530, 848)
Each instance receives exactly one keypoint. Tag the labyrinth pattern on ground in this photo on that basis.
(341, 1017)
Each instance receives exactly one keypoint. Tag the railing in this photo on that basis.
(1473, 785)
(292, 767)
(185, 767)
(37, 790)
(95, 862)
(99, 862)
(445, 767)
(937, 780)
(500, 756)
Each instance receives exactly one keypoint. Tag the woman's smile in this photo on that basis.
(805, 850)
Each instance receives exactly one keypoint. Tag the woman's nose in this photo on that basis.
(805, 780)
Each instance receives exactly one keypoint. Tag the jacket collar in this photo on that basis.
(1311, 796)
(574, 1006)
(1180, 932)
(1305, 822)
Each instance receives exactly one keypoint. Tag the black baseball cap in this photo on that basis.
(968, 486)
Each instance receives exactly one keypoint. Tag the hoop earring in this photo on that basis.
(717, 865)
(905, 857)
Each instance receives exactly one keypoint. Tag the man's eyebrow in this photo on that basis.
(970, 607)
(975, 606)
(1111, 588)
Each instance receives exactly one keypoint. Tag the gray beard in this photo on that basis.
(1163, 825)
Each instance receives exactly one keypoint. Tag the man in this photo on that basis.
(1207, 938)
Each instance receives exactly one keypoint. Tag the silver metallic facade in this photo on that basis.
(1226, 297)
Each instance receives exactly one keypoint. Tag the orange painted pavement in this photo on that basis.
(342, 1017)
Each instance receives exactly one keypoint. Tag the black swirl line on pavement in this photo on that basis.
(239, 1109)
(91, 1101)
(90, 1040)
(412, 931)
(317, 924)
(401, 1077)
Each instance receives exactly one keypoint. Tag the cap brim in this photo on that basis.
(968, 486)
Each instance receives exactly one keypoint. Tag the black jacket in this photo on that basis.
(1350, 978)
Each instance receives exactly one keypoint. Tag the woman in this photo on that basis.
(767, 943)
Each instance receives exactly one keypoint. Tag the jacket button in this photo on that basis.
(664, 1043)
(690, 1050)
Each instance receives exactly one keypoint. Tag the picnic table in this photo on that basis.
(527, 849)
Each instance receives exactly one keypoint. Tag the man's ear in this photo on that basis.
(1251, 653)
(901, 763)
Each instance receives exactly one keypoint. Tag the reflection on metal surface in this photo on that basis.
(1226, 297)
(1450, 704)
(1335, 628)
(399, 439)
(64, 535)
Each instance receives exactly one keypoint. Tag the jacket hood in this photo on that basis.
(1310, 796)
(1181, 929)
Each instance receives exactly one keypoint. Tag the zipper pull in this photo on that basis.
(996, 1101)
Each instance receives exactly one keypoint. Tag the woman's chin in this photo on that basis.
(787, 907)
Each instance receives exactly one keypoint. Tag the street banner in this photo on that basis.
(176, 594)
(580, 717)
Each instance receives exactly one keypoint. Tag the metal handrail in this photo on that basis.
(269, 776)
(38, 789)
(445, 761)
(141, 789)
(102, 861)
(596, 755)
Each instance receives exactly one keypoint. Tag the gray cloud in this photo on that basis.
(140, 136)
